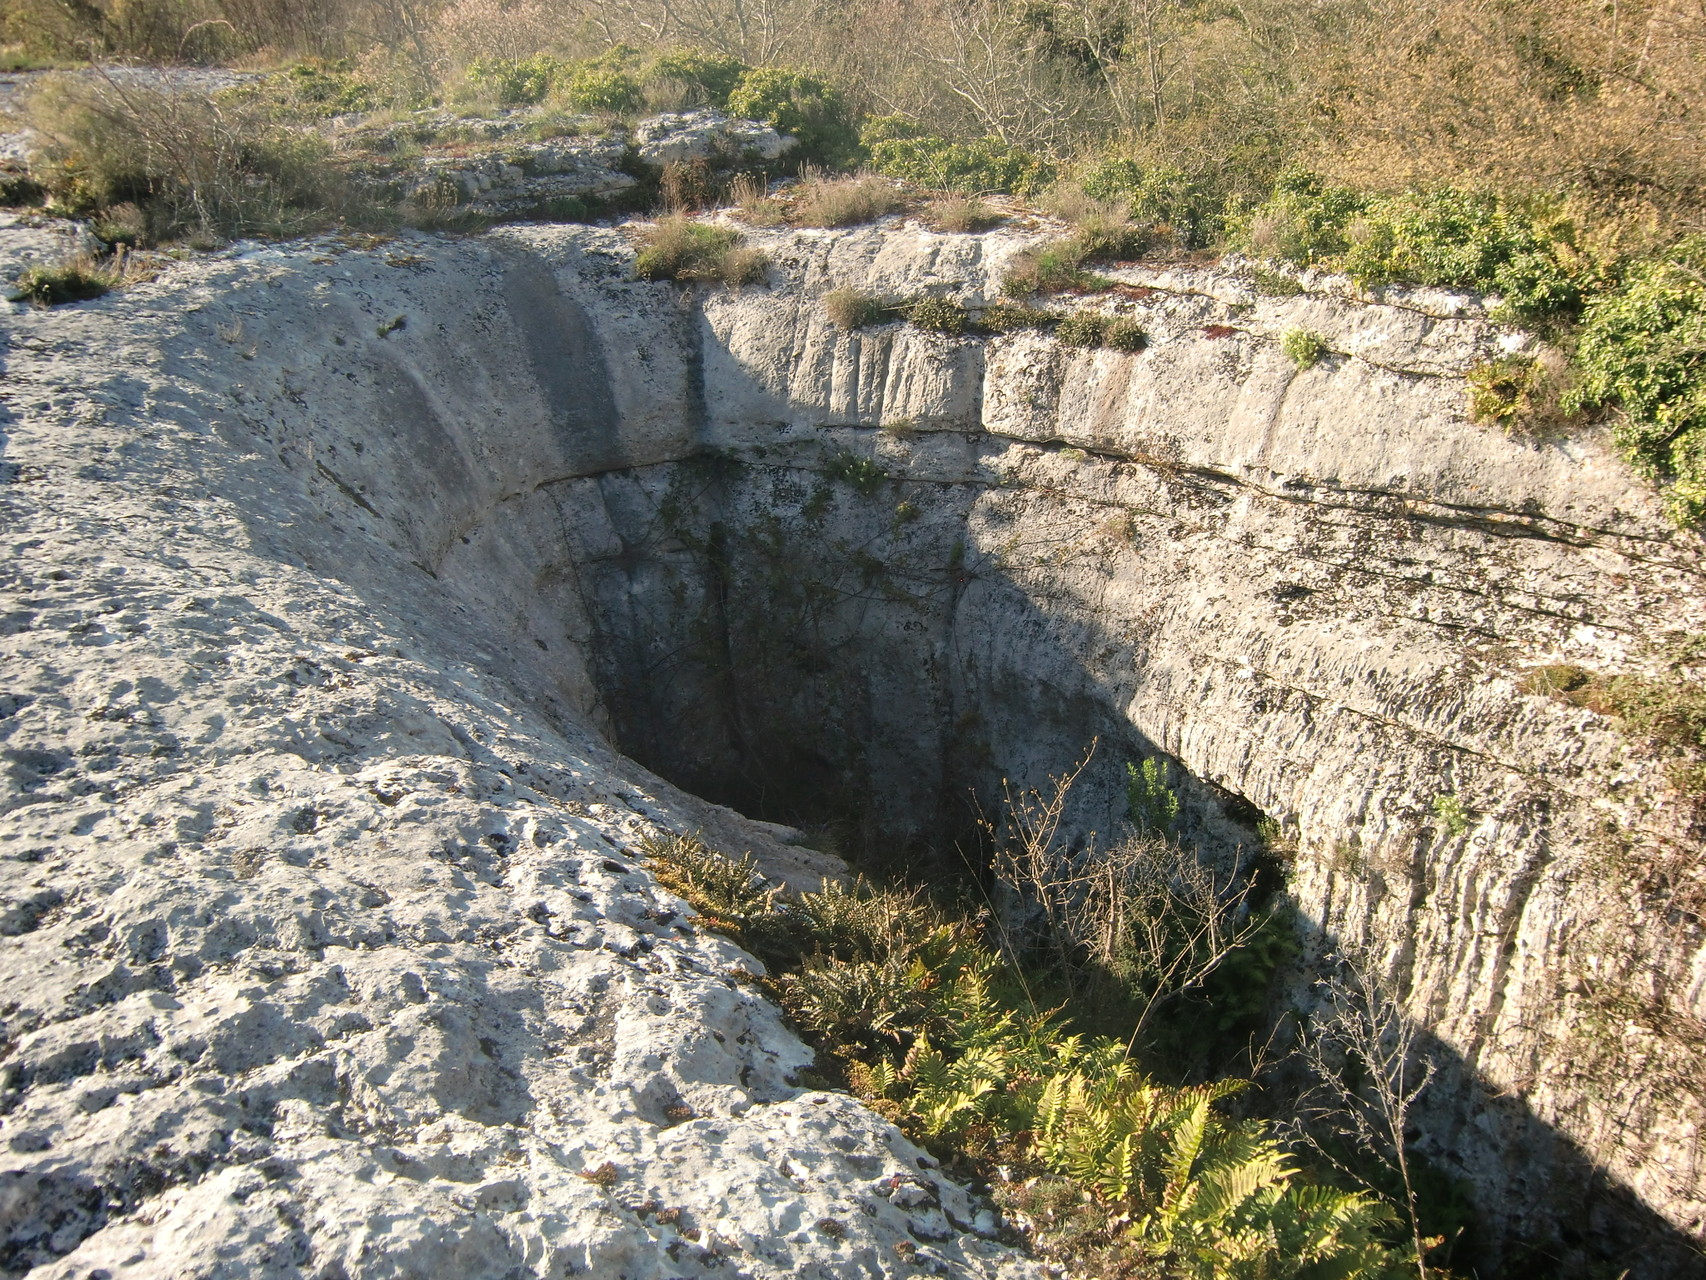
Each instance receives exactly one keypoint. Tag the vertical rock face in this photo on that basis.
(809, 573)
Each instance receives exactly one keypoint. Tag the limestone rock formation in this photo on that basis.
(336, 579)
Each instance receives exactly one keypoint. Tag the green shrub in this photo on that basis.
(930, 1025)
(1454, 239)
(1303, 347)
(1082, 329)
(1275, 284)
(901, 150)
(1501, 390)
(1151, 803)
(515, 81)
(1060, 264)
(712, 74)
(850, 309)
(802, 105)
(1304, 221)
(1161, 196)
(1643, 348)
(677, 248)
(938, 315)
(326, 88)
(603, 88)
(1050, 269)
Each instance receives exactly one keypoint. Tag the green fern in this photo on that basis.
(906, 998)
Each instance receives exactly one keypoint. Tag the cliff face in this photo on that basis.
(322, 622)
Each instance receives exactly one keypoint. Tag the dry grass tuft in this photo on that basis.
(961, 215)
(750, 196)
(78, 278)
(845, 202)
(850, 309)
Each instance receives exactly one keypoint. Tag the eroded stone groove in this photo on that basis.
(813, 573)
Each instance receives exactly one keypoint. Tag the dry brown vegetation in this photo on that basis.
(1601, 102)
(826, 201)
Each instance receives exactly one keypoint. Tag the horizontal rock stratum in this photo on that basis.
(336, 573)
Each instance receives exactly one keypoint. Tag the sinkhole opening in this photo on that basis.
(818, 643)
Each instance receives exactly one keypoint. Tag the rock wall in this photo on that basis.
(788, 567)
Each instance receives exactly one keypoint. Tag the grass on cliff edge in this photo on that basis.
(678, 248)
(1110, 1170)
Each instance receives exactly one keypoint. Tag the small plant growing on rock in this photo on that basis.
(1082, 329)
(938, 315)
(1008, 317)
(1051, 269)
(1304, 347)
(1555, 679)
(1124, 334)
(861, 475)
(1452, 815)
(1519, 392)
(850, 309)
(677, 248)
(1275, 284)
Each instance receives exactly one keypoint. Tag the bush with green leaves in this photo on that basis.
(810, 109)
(515, 81)
(326, 88)
(902, 150)
(1059, 265)
(1160, 195)
(930, 1025)
(1151, 801)
(1446, 237)
(1501, 389)
(714, 75)
(592, 87)
(1643, 348)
